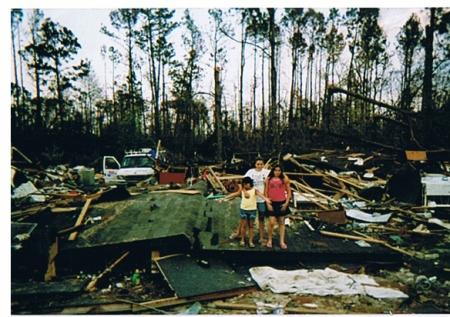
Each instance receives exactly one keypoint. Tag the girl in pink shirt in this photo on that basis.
(278, 190)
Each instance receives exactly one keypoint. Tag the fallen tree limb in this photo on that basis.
(365, 141)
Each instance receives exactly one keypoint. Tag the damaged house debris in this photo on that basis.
(366, 235)
(358, 123)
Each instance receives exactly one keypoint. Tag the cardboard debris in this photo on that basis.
(24, 190)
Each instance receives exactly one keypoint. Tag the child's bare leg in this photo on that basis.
(237, 234)
(270, 230)
(261, 227)
(282, 228)
(251, 230)
(243, 225)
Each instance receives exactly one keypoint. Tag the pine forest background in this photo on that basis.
(66, 116)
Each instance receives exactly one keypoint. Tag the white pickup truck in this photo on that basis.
(136, 166)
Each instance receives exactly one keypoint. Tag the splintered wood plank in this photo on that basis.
(108, 269)
(294, 310)
(229, 177)
(217, 180)
(350, 237)
(313, 201)
(348, 193)
(338, 195)
(344, 180)
(64, 209)
(80, 219)
(315, 192)
(176, 191)
(289, 157)
(212, 181)
(51, 272)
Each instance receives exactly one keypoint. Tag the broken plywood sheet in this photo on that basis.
(189, 276)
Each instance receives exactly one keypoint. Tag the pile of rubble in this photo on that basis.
(370, 199)
(364, 198)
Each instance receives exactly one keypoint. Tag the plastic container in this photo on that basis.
(87, 176)
(136, 279)
(279, 311)
(193, 310)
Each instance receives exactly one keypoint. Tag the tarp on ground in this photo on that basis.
(325, 282)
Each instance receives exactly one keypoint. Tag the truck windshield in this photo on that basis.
(137, 161)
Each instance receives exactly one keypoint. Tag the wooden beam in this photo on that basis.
(80, 219)
(64, 209)
(313, 201)
(344, 180)
(143, 305)
(348, 193)
(400, 231)
(315, 192)
(122, 306)
(350, 237)
(91, 285)
(70, 230)
(302, 174)
(176, 191)
(174, 301)
(338, 195)
(153, 257)
(409, 212)
(289, 157)
(218, 180)
(231, 177)
(28, 211)
(293, 310)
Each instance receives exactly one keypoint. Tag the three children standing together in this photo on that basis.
(266, 192)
